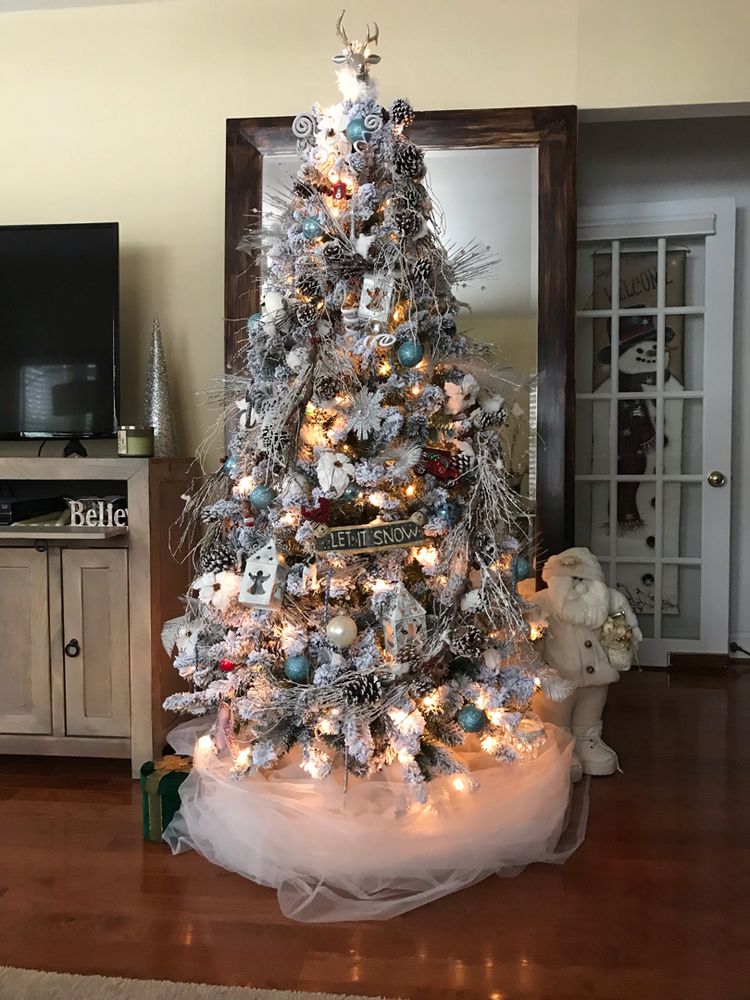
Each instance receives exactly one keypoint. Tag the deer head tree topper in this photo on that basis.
(355, 60)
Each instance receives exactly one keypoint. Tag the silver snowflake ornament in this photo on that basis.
(365, 415)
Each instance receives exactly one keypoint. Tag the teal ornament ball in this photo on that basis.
(297, 668)
(522, 568)
(355, 130)
(410, 353)
(261, 497)
(471, 719)
(253, 322)
(230, 465)
(311, 228)
(352, 492)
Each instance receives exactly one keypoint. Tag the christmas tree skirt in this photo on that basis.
(365, 854)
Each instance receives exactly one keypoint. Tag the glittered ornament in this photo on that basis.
(157, 406)
(471, 719)
(521, 568)
(253, 323)
(226, 665)
(355, 130)
(311, 228)
(262, 497)
(402, 113)
(229, 465)
(297, 668)
(341, 631)
(408, 222)
(363, 690)
(410, 353)
(217, 557)
(408, 160)
(351, 493)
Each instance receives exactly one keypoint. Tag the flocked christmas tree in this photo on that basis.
(356, 601)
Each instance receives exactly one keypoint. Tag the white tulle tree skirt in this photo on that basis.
(368, 853)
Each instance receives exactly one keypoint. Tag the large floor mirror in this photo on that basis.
(506, 179)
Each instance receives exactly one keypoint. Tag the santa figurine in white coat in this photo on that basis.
(591, 636)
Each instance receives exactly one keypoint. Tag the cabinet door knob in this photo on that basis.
(716, 478)
(72, 648)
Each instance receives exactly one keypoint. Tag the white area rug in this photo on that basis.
(24, 984)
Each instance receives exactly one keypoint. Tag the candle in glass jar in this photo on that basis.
(135, 442)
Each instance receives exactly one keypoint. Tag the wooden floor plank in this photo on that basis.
(652, 907)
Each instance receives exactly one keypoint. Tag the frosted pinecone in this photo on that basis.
(309, 287)
(468, 640)
(307, 314)
(408, 160)
(327, 386)
(217, 558)
(408, 223)
(402, 112)
(363, 690)
(422, 269)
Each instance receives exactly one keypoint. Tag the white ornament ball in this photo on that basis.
(341, 631)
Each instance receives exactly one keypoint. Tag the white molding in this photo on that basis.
(626, 227)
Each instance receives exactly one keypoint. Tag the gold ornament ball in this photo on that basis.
(341, 631)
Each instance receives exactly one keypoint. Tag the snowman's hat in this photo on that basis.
(632, 330)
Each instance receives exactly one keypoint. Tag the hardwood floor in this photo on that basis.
(655, 904)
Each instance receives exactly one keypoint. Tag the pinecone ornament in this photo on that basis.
(483, 419)
(333, 251)
(408, 160)
(422, 269)
(307, 314)
(402, 113)
(309, 288)
(217, 558)
(327, 386)
(468, 640)
(353, 267)
(363, 690)
(408, 222)
(463, 462)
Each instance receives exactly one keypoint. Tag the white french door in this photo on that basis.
(653, 422)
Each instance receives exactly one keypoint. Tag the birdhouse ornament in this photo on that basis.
(404, 621)
(264, 579)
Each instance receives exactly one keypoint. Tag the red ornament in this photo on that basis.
(226, 666)
(438, 462)
(320, 514)
(339, 191)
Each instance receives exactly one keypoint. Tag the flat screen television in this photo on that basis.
(59, 331)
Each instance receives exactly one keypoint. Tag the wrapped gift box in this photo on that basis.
(160, 789)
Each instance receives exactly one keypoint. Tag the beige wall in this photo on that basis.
(117, 113)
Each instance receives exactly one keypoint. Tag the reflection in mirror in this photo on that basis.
(490, 197)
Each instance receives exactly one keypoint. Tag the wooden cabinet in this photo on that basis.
(25, 694)
(82, 668)
(96, 641)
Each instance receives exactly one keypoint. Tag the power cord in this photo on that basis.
(41, 446)
(734, 647)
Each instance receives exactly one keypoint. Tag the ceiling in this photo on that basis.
(6, 6)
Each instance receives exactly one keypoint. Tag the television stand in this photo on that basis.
(74, 449)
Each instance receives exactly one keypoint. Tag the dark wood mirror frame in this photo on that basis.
(553, 131)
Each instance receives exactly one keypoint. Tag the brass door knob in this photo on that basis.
(716, 478)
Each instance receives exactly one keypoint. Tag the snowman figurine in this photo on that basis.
(637, 363)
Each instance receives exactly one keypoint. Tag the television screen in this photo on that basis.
(59, 330)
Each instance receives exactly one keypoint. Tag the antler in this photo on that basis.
(340, 29)
(372, 38)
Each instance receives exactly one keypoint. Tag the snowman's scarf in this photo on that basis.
(636, 437)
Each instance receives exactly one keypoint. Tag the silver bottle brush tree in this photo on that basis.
(157, 407)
